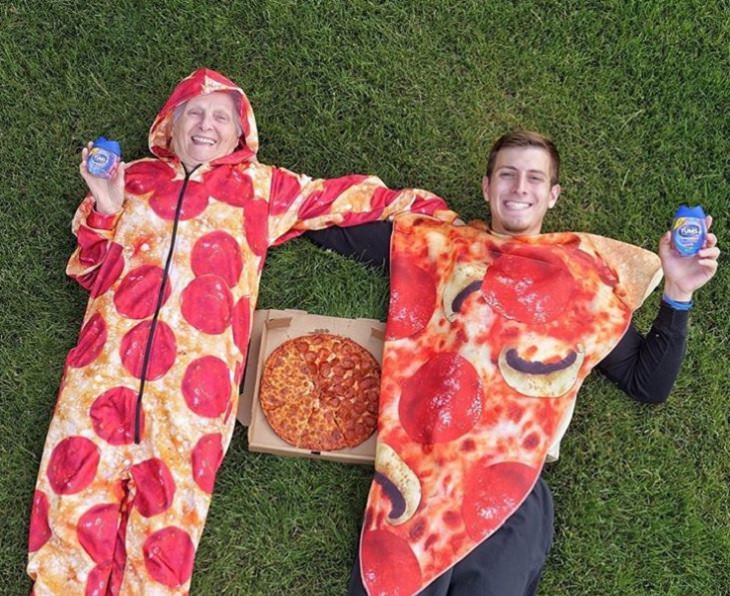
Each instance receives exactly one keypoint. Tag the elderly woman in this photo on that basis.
(171, 250)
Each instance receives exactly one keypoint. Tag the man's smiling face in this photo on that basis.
(519, 191)
(206, 129)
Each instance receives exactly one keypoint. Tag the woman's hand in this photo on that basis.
(108, 192)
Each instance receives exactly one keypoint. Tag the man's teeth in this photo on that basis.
(203, 140)
(517, 205)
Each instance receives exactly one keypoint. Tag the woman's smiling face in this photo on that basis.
(207, 129)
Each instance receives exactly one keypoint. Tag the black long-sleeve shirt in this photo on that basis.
(644, 367)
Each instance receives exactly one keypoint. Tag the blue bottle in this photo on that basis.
(688, 230)
(103, 157)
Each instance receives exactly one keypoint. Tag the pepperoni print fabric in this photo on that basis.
(217, 252)
(138, 294)
(487, 342)
(72, 465)
(113, 415)
(91, 342)
(39, 531)
(143, 417)
(97, 531)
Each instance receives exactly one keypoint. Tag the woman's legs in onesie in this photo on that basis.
(113, 517)
(166, 523)
(78, 511)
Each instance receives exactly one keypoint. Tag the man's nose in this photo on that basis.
(521, 184)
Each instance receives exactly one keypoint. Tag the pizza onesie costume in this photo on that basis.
(144, 412)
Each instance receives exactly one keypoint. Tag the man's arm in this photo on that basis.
(367, 243)
(646, 367)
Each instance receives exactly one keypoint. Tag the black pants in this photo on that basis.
(508, 563)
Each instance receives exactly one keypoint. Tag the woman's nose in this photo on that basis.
(206, 122)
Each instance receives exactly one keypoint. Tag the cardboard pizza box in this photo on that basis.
(272, 328)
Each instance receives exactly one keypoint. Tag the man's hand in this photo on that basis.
(684, 275)
(108, 192)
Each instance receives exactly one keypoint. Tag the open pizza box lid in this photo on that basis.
(270, 329)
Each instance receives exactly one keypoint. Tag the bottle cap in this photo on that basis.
(108, 144)
(685, 211)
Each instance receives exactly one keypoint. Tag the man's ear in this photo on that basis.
(485, 188)
(554, 194)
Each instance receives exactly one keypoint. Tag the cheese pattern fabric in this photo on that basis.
(144, 412)
(488, 341)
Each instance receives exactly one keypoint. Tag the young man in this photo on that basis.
(499, 518)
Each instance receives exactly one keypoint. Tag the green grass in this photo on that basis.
(635, 93)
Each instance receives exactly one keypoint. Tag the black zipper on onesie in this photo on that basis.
(160, 295)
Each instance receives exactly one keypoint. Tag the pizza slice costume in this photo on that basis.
(144, 412)
(488, 341)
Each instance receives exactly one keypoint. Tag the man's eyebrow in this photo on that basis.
(514, 169)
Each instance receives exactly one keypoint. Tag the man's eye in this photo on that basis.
(536, 179)
(506, 175)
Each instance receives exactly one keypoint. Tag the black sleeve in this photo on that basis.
(646, 367)
(367, 243)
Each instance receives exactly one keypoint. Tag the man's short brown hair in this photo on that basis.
(526, 138)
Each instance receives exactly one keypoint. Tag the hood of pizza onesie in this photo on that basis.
(519, 191)
(207, 118)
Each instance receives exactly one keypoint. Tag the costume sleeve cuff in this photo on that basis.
(100, 221)
(671, 320)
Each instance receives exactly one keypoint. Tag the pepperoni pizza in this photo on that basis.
(320, 392)
(488, 341)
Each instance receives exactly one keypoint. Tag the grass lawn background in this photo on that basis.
(634, 93)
